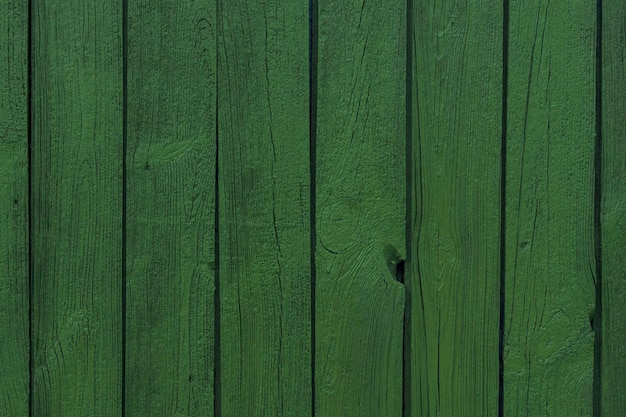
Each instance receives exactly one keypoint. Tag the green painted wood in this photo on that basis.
(454, 278)
(14, 304)
(77, 208)
(550, 263)
(360, 207)
(171, 157)
(264, 241)
(613, 209)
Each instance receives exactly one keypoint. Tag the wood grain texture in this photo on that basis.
(360, 207)
(454, 278)
(550, 265)
(264, 220)
(171, 157)
(613, 210)
(14, 286)
(77, 208)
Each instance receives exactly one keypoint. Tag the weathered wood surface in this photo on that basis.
(263, 175)
(170, 193)
(454, 263)
(76, 178)
(230, 242)
(550, 262)
(14, 280)
(360, 207)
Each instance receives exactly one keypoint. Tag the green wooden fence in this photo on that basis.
(338, 208)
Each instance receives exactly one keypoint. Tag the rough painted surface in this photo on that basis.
(264, 241)
(550, 263)
(360, 208)
(228, 82)
(613, 210)
(14, 209)
(454, 278)
(77, 208)
(171, 156)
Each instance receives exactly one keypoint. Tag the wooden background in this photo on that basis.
(287, 208)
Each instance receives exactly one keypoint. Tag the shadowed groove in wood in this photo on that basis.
(313, 30)
(217, 353)
(612, 149)
(124, 193)
(596, 317)
(505, 81)
(30, 207)
(409, 179)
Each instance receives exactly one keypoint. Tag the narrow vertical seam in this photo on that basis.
(29, 119)
(313, 30)
(503, 172)
(406, 337)
(124, 190)
(217, 355)
(597, 319)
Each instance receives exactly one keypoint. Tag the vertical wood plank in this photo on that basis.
(360, 207)
(171, 157)
(613, 210)
(550, 265)
(14, 304)
(455, 231)
(77, 207)
(264, 241)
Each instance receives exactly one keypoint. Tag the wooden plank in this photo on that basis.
(613, 209)
(171, 157)
(14, 304)
(360, 207)
(550, 263)
(77, 207)
(455, 198)
(264, 239)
